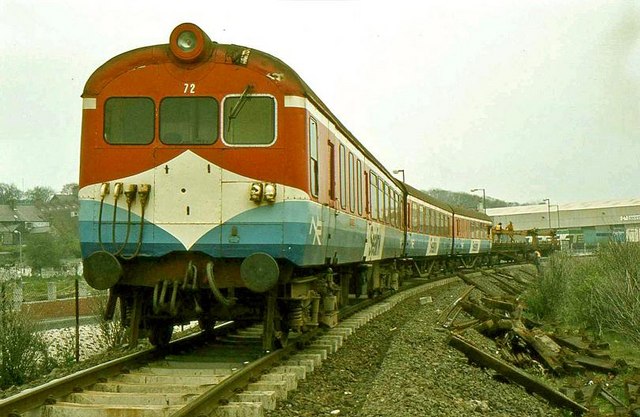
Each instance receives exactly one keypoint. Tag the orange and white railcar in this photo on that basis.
(215, 184)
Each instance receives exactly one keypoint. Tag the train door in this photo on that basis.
(330, 211)
(375, 230)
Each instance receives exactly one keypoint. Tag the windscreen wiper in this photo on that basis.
(239, 105)
(243, 99)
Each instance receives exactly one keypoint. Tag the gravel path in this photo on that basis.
(400, 365)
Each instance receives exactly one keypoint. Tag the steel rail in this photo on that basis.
(36, 397)
(43, 394)
(222, 393)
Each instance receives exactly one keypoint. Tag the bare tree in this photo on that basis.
(10, 194)
(70, 189)
(39, 195)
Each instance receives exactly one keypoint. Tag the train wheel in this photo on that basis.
(160, 333)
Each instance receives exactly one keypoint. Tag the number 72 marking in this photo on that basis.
(189, 88)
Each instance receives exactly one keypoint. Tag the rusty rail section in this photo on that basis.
(496, 311)
(516, 375)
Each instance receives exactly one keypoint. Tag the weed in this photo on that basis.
(23, 352)
(601, 294)
(113, 333)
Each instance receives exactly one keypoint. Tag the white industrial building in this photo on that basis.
(579, 224)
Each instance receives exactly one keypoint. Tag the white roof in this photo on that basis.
(542, 207)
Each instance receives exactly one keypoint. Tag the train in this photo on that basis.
(216, 185)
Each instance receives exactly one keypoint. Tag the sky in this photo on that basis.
(527, 99)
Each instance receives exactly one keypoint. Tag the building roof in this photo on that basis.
(19, 214)
(62, 201)
(542, 207)
(8, 228)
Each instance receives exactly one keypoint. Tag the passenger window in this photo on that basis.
(389, 207)
(373, 192)
(129, 120)
(313, 157)
(352, 184)
(394, 208)
(381, 192)
(189, 120)
(343, 178)
(359, 185)
(332, 171)
(249, 120)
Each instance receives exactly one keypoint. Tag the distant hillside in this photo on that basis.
(467, 200)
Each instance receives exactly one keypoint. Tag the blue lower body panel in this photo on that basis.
(302, 232)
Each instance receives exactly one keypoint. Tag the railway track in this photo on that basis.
(228, 375)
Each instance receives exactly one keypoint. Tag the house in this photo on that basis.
(18, 221)
(63, 202)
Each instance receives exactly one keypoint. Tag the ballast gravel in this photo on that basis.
(401, 365)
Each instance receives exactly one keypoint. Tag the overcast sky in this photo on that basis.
(527, 99)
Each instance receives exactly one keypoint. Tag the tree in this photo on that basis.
(70, 189)
(467, 200)
(39, 195)
(43, 250)
(10, 194)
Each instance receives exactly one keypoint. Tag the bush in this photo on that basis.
(611, 294)
(547, 299)
(602, 293)
(23, 352)
(113, 334)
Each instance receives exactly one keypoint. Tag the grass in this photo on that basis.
(36, 288)
(600, 296)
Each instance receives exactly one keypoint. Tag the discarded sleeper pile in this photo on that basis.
(496, 311)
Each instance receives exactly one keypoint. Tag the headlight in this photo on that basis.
(255, 192)
(186, 41)
(270, 192)
(189, 43)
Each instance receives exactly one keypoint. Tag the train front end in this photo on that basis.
(183, 182)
